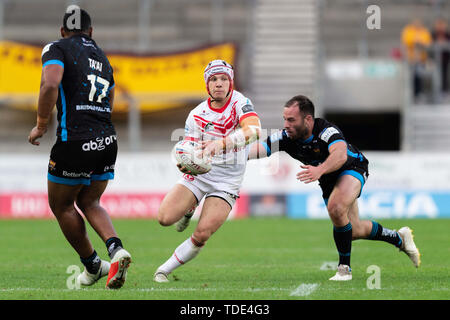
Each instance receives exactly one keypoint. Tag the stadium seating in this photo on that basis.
(301, 34)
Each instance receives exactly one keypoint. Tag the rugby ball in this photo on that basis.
(186, 154)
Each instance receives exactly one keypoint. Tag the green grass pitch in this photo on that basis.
(249, 259)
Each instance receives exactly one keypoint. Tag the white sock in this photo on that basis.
(183, 253)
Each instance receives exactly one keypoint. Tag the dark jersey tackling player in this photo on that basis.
(77, 77)
(341, 170)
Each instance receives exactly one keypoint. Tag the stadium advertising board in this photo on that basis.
(377, 205)
(398, 187)
(119, 205)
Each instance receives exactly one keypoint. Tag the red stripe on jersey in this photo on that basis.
(218, 135)
(250, 114)
(216, 124)
(202, 129)
(190, 139)
(233, 114)
(221, 109)
(218, 132)
(202, 122)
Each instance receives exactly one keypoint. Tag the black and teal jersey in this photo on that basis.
(84, 110)
(315, 150)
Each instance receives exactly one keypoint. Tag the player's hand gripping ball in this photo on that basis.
(188, 155)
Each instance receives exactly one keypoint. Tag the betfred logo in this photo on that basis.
(99, 144)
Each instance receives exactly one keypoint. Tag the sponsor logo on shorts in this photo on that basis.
(107, 168)
(188, 177)
(76, 174)
(51, 165)
(98, 144)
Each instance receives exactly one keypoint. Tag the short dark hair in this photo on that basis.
(85, 21)
(304, 104)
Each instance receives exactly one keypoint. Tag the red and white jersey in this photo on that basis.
(206, 123)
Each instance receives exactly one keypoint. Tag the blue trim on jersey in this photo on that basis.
(355, 174)
(322, 131)
(355, 155)
(268, 151)
(112, 86)
(309, 139)
(49, 62)
(103, 176)
(64, 114)
(335, 142)
(69, 182)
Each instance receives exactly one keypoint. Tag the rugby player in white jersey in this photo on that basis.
(224, 125)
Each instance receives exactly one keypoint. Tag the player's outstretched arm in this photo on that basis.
(48, 94)
(257, 151)
(249, 132)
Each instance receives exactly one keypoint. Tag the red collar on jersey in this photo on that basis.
(224, 107)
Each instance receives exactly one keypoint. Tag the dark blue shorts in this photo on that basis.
(80, 162)
(329, 181)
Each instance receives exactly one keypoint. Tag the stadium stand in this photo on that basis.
(302, 34)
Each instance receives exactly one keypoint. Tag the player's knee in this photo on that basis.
(164, 218)
(202, 235)
(164, 221)
(58, 207)
(59, 210)
(84, 205)
(336, 209)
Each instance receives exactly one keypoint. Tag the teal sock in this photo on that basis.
(343, 239)
(384, 234)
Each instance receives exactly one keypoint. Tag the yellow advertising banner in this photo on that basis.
(153, 82)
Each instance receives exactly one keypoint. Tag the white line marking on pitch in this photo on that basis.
(305, 289)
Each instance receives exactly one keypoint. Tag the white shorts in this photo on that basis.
(202, 189)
